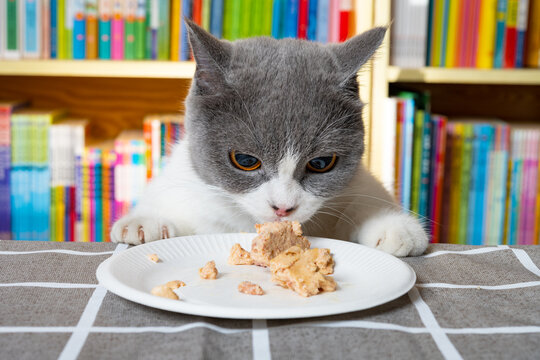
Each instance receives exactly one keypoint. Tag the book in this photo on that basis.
(291, 18)
(206, 6)
(216, 18)
(130, 16)
(163, 31)
(388, 158)
(91, 11)
(11, 43)
(117, 31)
(53, 17)
(79, 30)
(333, 21)
(486, 36)
(532, 46)
(184, 45)
(521, 26)
(453, 32)
(345, 11)
(140, 29)
(464, 184)
(175, 30)
(45, 31)
(322, 21)
(303, 8)
(312, 20)
(31, 28)
(511, 34)
(500, 34)
(278, 19)
(105, 12)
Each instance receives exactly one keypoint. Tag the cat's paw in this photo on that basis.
(398, 234)
(138, 229)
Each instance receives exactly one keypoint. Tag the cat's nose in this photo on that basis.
(282, 211)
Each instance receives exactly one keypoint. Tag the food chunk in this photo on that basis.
(274, 238)
(164, 291)
(175, 284)
(153, 258)
(209, 271)
(250, 288)
(303, 271)
(239, 256)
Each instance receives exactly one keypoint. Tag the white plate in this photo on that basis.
(365, 278)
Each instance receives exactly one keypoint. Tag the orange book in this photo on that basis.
(532, 45)
(197, 12)
(91, 30)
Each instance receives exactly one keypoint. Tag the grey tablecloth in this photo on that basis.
(469, 302)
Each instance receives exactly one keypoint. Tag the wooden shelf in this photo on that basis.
(99, 68)
(464, 76)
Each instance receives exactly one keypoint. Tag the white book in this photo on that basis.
(388, 144)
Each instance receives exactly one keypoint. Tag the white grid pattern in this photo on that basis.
(260, 334)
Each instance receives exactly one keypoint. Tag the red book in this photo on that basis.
(303, 18)
(511, 34)
(439, 178)
(345, 14)
(197, 12)
(72, 213)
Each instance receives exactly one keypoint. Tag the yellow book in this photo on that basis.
(453, 32)
(455, 188)
(60, 214)
(486, 36)
(437, 29)
(175, 29)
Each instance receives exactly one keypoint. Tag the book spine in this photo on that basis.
(439, 178)
(452, 34)
(345, 11)
(465, 181)
(473, 188)
(408, 152)
(5, 165)
(45, 30)
(446, 211)
(175, 30)
(68, 28)
(500, 34)
(164, 31)
(105, 15)
(532, 50)
(475, 32)
(256, 18)
(511, 34)
(53, 29)
(206, 5)
(417, 160)
(117, 29)
(197, 12)
(140, 29)
(486, 35)
(277, 18)
(32, 28)
(12, 37)
(333, 23)
(184, 46)
(425, 167)
(521, 27)
(216, 18)
(312, 20)
(236, 18)
(79, 30)
(91, 11)
(129, 29)
(245, 18)
(302, 19)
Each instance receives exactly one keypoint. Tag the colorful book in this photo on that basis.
(303, 8)
(175, 30)
(79, 30)
(11, 36)
(140, 29)
(532, 47)
(105, 12)
(130, 16)
(91, 12)
(333, 21)
(117, 30)
(486, 36)
(31, 17)
(53, 17)
(163, 35)
(312, 20)
(216, 18)
(500, 34)
(278, 18)
(511, 34)
(184, 45)
(521, 26)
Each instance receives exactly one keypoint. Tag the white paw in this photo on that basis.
(138, 229)
(398, 234)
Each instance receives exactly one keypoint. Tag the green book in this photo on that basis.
(256, 21)
(465, 181)
(206, 6)
(245, 18)
(164, 46)
(227, 18)
(148, 31)
(129, 39)
(236, 18)
(140, 38)
(12, 29)
(266, 28)
(417, 160)
(61, 29)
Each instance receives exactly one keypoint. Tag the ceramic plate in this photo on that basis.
(365, 278)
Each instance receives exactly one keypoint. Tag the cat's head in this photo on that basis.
(274, 123)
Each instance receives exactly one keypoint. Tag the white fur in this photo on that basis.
(178, 199)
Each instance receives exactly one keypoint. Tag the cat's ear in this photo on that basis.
(355, 52)
(212, 57)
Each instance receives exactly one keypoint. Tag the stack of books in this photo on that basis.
(154, 29)
(466, 33)
(59, 185)
(474, 181)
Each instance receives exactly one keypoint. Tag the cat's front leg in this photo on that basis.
(396, 233)
(139, 228)
(378, 220)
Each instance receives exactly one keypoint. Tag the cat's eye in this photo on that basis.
(244, 161)
(322, 164)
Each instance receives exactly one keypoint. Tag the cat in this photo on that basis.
(274, 132)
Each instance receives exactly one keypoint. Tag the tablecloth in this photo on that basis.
(469, 302)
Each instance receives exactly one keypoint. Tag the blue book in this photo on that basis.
(312, 21)
(277, 18)
(216, 18)
(14, 190)
(500, 31)
(5, 201)
(291, 19)
(473, 187)
(429, 36)
(184, 43)
(79, 31)
(323, 9)
(425, 166)
(407, 141)
(54, 29)
(502, 199)
(26, 204)
(31, 31)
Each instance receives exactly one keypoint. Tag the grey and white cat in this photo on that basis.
(273, 132)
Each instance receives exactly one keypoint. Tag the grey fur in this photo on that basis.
(267, 98)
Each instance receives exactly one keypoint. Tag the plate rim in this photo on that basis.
(115, 286)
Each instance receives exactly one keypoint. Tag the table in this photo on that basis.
(469, 302)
